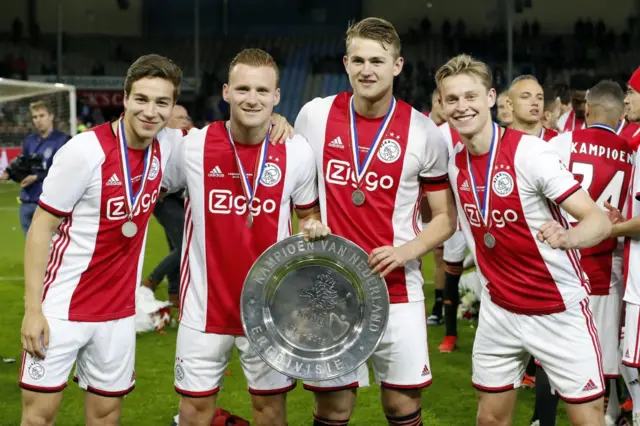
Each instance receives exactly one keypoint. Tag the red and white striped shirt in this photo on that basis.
(602, 162)
(528, 182)
(631, 265)
(93, 269)
(219, 248)
(412, 157)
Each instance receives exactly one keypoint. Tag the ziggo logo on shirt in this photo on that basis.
(340, 173)
(499, 219)
(222, 201)
(116, 209)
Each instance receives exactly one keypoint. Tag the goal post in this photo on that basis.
(15, 116)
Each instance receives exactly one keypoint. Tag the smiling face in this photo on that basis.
(526, 98)
(252, 93)
(148, 106)
(371, 66)
(466, 103)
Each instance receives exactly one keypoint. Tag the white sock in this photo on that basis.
(630, 376)
(613, 409)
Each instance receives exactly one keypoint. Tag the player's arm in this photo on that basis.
(551, 177)
(593, 224)
(310, 223)
(439, 198)
(173, 175)
(66, 182)
(36, 255)
(305, 194)
(621, 227)
(281, 130)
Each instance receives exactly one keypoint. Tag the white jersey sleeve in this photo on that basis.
(436, 157)
(305, 193)
(70, 174)
(545, 170)
(301, 124)
(174, 177)
(562, 121)
(562, 144)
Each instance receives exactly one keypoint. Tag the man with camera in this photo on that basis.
(32, 165)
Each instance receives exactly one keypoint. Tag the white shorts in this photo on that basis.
(455, 248)
(631, 339)
(400, 361)
(202, 358)
(606, 313)
(566, 344)
(104, 354)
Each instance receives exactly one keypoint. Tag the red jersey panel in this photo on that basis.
(602, 162)
(94, 269)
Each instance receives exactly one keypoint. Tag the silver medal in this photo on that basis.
(129, 229)
(358, 197)
(489, 240)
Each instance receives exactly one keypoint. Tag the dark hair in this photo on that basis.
(154, 66)
(608, 94)
(549, 98)
(562, 91)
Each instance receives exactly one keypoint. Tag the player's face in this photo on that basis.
(149, 105)
(436, 109)
(552, 114)
(466, 103)
(526, 98)
(42, 120)
(179, 118)
(578, 102)
(252, 94)
(371, 68)
(632, 105)
(505, 116)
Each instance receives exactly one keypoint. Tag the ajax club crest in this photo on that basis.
(155, 168)
(502, 184)
(389, 151)
(271, 175)
(36, 371)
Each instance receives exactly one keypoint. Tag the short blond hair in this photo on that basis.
(465, 65)
(40, 104)
(255, 58)
(377, 29)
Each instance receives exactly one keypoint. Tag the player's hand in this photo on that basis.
(281, 129)
(385, 259)
(4, 176)
(29, 180)
(555, 235)
(613, 213)
(314, 229)
(35, 334)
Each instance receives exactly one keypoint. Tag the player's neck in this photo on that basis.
(46, 133)
(133, 140)
(480, 143)
(248, 135)
(602, 121)
(532, 129)
(373, 108)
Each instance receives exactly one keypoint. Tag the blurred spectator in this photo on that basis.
(17, 30)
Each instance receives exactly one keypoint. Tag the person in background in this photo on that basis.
(505, 116)
(45, 141)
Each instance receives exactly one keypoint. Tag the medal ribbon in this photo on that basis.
(621, 126)
(493, 149)
(361, 171)
(603, 127)
(542, 131)
(248, 191)
(132, 200)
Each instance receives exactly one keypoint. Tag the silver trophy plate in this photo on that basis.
(314, 310)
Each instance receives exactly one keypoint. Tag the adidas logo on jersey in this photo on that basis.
(590, 386)
(216, 172)
(425, 371)
(465, 186)
(114, 181)
(336, 143)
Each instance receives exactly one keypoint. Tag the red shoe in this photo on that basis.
(448, 344)
(220, 417)
(627, 406)
(529, 382)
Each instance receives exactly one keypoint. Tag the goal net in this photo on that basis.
(15, 116)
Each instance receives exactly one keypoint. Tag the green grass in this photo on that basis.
(450, 400)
